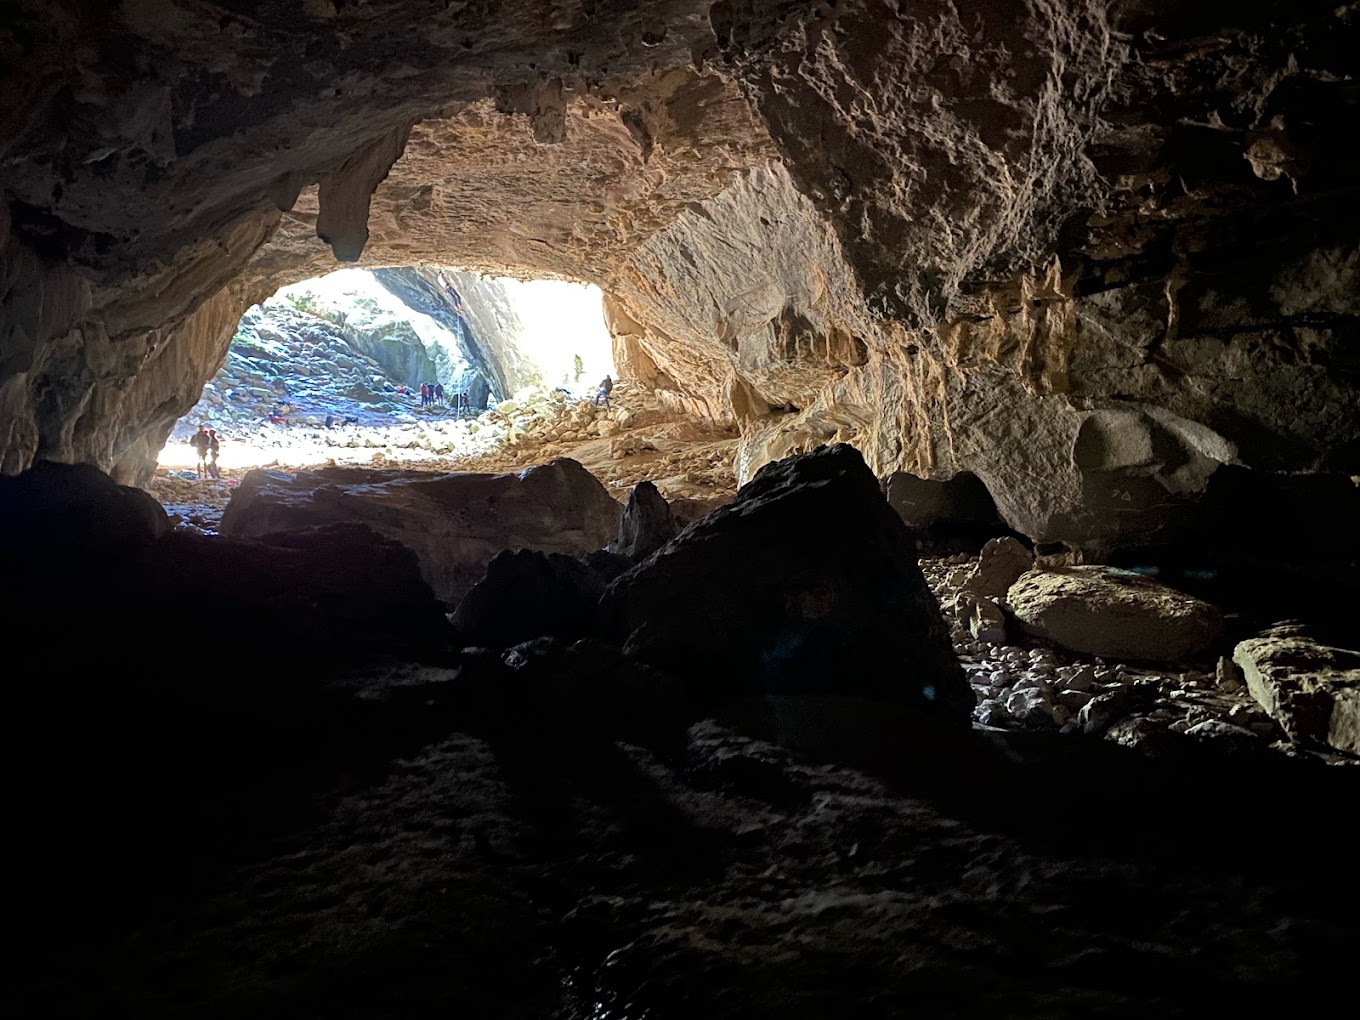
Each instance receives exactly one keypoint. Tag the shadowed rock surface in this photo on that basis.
(1100, 256)
(805, 583)
(528, 594)
(647, 523)
(455, 524)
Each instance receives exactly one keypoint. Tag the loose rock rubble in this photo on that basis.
(1022, 682)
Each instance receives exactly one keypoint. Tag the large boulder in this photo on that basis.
(922, 502)
(647, 523)
(57, 512)
(307, 594)
(1312, 690)
(528, 594)
(1114, 614)
(454, 523)
(806, 583)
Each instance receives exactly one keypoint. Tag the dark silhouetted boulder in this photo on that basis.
(647, 523)
(55, 512)
(806, 583)
(454, 523)
(529, 594)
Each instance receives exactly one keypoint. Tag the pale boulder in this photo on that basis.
(1113, 614)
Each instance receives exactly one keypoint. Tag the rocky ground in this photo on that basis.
(332, 804)
(637, 439)
(1025, 683)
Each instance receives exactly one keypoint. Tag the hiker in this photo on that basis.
(464, 404)
(424, 394)
(200, 442)
(214, 447)
(439, 392)
(606, 388)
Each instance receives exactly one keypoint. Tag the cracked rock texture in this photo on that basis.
(1310, 688)
(1088, 253)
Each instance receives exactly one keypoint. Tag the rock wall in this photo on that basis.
(478, 312)
(1089, 253)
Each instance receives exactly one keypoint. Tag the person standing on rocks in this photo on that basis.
(200, 441)
(424, 395)
(439, 392)
(606, 388)
(214, 447)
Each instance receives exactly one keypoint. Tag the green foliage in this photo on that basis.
(305, 302)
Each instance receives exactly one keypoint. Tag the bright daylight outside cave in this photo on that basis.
(682, 508)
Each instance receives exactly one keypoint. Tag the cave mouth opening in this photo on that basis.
(391, 367)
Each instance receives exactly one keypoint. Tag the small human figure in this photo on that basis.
(606, 388)
(464, 404)
(200, 441)
(214, 448)
(439, 392)
(424, 394)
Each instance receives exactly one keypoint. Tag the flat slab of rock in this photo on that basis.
(806, 583)
(1312, 690)
(455, 523)
(1114, 614)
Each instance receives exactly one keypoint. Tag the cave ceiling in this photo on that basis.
(1087, 251)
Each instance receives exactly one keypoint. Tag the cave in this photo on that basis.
(946, 605)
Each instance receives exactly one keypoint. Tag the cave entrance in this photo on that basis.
(330, 371)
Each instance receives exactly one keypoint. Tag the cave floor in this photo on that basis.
(645, 441)
(430, 865)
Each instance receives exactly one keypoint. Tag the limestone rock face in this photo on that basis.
(478, 312)
(455, 524)
(1311, 689)
(806, 583)
(1113, 614)
(1095, 255)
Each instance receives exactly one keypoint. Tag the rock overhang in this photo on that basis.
(956, 243)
